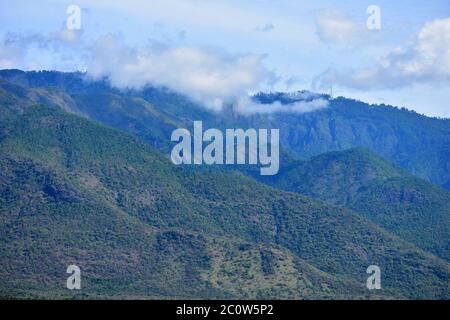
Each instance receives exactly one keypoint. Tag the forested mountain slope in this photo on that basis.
(414, 142)
(75, 191)
(409, 207)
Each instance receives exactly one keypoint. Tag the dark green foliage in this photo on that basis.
(74, 191)
(414, 142)
(267, 263)
(411, 208)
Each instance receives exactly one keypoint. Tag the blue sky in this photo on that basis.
(225, 47)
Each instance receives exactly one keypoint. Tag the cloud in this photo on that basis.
(70, 37)
(33, 50)
(246, 106)
(209, 76)
(333, 27)
(425, 60)
(11, 54)
(15, 47)
(264, 28)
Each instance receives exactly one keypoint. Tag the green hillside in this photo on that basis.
(412, 141)
(75, 191)
(411, 208)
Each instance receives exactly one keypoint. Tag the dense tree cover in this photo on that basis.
(75, 191)
(414, 142)
(411, 208)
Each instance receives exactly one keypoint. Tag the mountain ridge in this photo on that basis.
(414, 209)
(414, 142)
(52, 207)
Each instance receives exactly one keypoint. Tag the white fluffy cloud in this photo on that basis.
(11, 54)
(209, 76)
(425, 60)
(246, 106)
(213, 78)
(206, 75)
(333, 27)
(37, 51)
(70, 37)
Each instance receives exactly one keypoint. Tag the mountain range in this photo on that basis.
(85, 179)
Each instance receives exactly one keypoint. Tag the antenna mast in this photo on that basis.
(331, 91)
